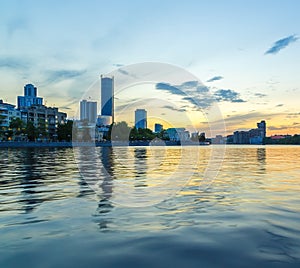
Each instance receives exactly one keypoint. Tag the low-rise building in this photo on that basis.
(31, 109)
(7, 113)
(241, 137)
(178, 134)
(219, 139)
(158, 127)
(253, 136)
(43, 117)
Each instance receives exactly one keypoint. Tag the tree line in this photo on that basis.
(18, 130)
(287, 140)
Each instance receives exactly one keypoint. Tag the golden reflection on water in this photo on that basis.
(161, 172)
(267, 175)
(141, 174)
(259, 174)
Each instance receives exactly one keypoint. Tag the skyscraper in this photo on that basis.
(107, 96)
(140, 118)
(30, 97)
(88, 111)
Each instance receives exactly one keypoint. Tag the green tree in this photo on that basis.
(202, 137)
(133, 134)
(146, 134)
(143, 134)
(120, 131)
(163, 135)
(17, 126)
(64, 131)
(31, 131)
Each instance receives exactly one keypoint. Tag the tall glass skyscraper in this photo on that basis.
(107, 96)
(140, 118)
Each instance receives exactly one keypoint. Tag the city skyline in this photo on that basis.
(250, 66)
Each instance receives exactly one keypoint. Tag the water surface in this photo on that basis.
(248, 216)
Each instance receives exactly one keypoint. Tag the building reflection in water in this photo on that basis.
(261, 159)
(84, 157)
(36, 175)
(107, 159)
(140, 167)
(84, 189)
(31, 180)
(97, 167)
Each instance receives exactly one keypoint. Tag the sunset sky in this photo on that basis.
(246, 53)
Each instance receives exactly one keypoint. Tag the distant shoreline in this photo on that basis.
(63, 144)
(32, 144)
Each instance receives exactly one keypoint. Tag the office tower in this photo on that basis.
(158, 128)
(29, 98)
(140, 118)
(88, 111)
(107, 96)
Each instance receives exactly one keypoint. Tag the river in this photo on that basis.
(150, 207)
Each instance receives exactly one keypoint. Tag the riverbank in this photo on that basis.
(29, 144)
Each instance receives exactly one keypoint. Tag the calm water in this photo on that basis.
(249, 216)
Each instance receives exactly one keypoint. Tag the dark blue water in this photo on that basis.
(249, 216)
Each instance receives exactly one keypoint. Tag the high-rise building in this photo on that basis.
(88, 111)
(107, 96)
(262, 126)
(29, 98)
(140, 118)
(158, 128)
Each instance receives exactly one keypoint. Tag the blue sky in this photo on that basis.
(246, 50)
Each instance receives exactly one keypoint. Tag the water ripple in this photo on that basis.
(249, 216)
